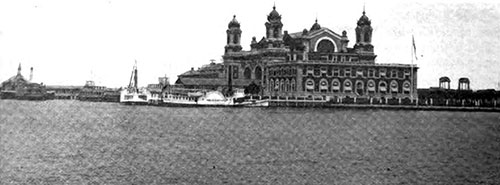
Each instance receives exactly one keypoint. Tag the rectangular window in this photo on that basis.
(347, 72)
(323, 70)
(371, 73)
(235, 72)
(359, 72)
(317, 72)
(334, 58)
(310, 70)
(342, 58)
(382, 72)
(329, 72)
(407, 73)
(336, 72)
(394, 74)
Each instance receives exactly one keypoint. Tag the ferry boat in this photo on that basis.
(132, 95)
(212, 98)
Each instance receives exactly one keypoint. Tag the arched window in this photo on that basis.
(394, 86)
(347, 86)
(287, 85)
(382, 87)
(282, 85)
(247, 73)
(323, 85)
(292, 85)
(406, 87)
(325, 46)
(371, 86)
(258, 73)
(335, 85)
(271, 85)
(276, 85)
(309, 85)
(360, 87)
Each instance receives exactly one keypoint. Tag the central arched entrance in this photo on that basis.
(360, 88)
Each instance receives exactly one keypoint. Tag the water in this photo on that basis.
(72, 142)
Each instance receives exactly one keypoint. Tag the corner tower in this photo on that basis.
(233, 36)
(274, 25)
(364, 35)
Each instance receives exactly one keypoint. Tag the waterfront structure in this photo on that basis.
(315, 62)
(18, 87)
(211, 76)
(67, 92)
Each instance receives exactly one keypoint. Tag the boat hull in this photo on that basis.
(133, 98)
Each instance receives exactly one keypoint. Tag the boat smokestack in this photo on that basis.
(31, 74)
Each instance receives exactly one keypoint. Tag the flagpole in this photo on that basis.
(411, 67)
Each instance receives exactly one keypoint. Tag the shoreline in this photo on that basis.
(326, 105)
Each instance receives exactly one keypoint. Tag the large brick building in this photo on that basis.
(312, 62)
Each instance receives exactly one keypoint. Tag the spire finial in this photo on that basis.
(19, 68)
(234, 16)
(364, 4)
(274, 5)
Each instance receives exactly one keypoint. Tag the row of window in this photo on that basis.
(345, 72)
(282, 85)
(332, 58)
(345, 86)
(359, 72)
(282, 72)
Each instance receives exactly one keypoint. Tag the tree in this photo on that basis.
(252, 89)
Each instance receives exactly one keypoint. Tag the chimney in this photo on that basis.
(31, 74)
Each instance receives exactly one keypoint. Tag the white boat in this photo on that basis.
(211, 98)
(132, 94)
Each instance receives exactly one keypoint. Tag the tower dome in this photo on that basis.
(274, 15)
(364, 20)
(315, 26)
(234, 23)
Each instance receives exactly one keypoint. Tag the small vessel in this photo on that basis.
(211, 98)
(132, 95)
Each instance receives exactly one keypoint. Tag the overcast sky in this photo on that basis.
(68, 42)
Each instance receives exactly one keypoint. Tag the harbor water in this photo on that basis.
(74, 142)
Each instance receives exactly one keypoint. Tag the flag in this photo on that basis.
(414, 47)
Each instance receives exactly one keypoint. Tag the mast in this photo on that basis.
(131, 77)
(135, 77)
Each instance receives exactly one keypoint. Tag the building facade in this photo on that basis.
(18, 87)
(313, 62)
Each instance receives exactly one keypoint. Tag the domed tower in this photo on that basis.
(315, 26)
(274, 25)
(364, 35)
(233, 36)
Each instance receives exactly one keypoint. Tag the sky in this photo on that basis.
(68, 42)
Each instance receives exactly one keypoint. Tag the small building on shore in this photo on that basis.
(18, 87)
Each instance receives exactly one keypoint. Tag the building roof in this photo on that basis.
(16, 78)
(234, 23)
(314, 32)
(202, 81)
(64, 86)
